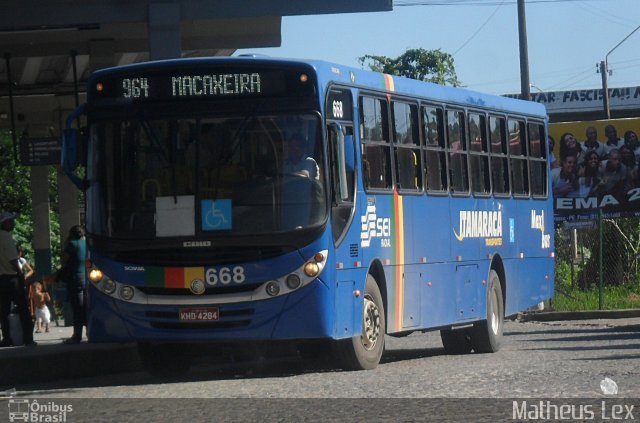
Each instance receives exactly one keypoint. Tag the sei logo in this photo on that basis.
(375, 227)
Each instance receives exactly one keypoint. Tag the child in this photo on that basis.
(40, 299)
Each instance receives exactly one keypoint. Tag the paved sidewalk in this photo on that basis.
(52, 360)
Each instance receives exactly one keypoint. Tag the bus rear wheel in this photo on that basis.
(363, 352)
(486, 335)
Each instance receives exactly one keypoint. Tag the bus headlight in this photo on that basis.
(311, 269)
(108, 286)
(126, 292)
(293, 281)
(95, 275)
(273, 288)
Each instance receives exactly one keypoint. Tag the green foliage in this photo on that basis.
(578, 267)
(563, 275)
(16, 193)
(16, 196)
(417, 63)
(15, 179)
(614, 298)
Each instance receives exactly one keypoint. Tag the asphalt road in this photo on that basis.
(561, 361)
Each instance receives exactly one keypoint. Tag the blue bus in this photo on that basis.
(260, 199)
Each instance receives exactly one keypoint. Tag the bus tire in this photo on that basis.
(486, 335)
(363, 352)
(164, 360)
(456, 341)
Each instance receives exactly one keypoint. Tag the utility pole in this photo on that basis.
(525, 87)
(604, 70)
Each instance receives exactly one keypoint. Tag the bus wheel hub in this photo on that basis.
(371, 329)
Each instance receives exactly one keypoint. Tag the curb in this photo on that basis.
(23, 365)
(549, 316)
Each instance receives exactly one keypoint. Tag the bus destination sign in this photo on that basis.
(186, 86)
(208, 84)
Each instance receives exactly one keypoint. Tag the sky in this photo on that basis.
(566, 39)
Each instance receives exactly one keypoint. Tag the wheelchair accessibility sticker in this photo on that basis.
(216, 215)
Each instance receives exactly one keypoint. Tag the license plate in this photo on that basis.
(205, 314)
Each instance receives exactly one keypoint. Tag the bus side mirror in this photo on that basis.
(349, 153)
(69, 156)
(70, 149)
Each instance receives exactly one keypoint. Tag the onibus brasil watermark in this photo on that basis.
(26, 410)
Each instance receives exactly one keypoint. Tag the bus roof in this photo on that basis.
(332, 72)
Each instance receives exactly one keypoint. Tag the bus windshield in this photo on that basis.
(205, 176)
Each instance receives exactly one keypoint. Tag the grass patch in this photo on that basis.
(614, 298)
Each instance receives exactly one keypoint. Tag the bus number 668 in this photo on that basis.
(225, 275)
(337, 109)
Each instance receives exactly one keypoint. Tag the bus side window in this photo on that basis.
(457, 147)
(479, 154)
(407, 146)
(537, 158)
(518, 156)
(436, 160)
(375, 142)
(499, 160)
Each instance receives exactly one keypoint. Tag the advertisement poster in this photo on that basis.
(595, 168)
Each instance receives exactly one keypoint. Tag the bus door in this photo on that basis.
(339, 111)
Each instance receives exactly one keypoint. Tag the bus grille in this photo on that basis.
(186, 292)
(209, 256)
(201, 325)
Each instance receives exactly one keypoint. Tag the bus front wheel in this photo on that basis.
(363, 352)
(486, 335)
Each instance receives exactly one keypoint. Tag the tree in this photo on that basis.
(417, 63)
(16, 192)
(16, 196)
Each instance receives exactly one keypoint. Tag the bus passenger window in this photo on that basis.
(457, 152)
(537, 159)
(436, 160)
(376, 149)
(407, 147)
(379, 166)
(518, 157)
(499, 160)
(479, 154)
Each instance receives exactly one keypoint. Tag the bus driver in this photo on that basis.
(298, 162)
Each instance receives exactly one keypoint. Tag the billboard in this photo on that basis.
(586, 100)
(604, 177)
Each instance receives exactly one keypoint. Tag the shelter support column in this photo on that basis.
(41, 227)
(164, 31)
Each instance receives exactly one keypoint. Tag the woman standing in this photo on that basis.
(74, 256)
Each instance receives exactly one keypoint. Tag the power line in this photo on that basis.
(603, 14)
(479, 29)
(401, 3)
